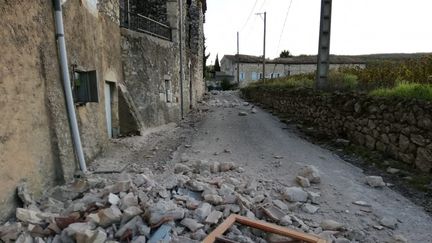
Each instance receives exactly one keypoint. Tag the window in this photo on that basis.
(85, 87)
(242, 76)
(168, 95)
(254, 76)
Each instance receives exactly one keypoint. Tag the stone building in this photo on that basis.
(124, 77)
(251, 67)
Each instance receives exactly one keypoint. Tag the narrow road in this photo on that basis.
(259, 144)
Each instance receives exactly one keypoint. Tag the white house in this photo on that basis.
(251, 66)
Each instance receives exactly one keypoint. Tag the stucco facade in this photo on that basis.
(35, 137)
(251, 68)
(35, 143)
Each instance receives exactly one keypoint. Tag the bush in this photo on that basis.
(385, 73)
(227, 85)
(342, 81)
(406, 90)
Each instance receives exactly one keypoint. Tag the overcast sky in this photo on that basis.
(358, 26)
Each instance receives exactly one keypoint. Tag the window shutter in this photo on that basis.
(93, 87)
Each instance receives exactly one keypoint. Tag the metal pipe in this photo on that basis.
(238, 58)
(181, 58)
(264, 48)
(66, 84)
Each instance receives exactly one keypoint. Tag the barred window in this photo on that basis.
(85, 87)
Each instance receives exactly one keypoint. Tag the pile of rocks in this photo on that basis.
(182, 207)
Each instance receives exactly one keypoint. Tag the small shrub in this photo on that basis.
(341, 81)
(227, 85)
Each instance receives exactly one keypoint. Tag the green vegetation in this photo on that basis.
(386, 73)
(227, 85)
(337, 81)
(406, 90)
(402, 78)
(285, 54)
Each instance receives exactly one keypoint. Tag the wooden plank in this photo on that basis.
(222, 239)
(276, 229)
(220, 229)
(262, 225)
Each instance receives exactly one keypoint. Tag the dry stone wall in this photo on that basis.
(400, 128)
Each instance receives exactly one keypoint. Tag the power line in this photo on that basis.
(262, 5)
(250, 14)
(283, 28)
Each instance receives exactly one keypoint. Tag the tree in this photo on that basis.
(285, 54)
(205, 58)
(216, 65)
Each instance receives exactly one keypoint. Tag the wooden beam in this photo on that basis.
(220, 229)
(276, 229)
(262, 225)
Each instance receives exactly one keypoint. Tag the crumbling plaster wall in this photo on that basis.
(93, 43)
(35, 140)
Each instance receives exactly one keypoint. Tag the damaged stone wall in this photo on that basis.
(151, 63)
(399, 128)
(196, 47)
(154, 9)
(35, 143)
(35, 138)
(93, 43)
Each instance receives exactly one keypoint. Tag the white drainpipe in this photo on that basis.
(66, 84)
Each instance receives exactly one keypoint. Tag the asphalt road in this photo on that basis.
(253, 142)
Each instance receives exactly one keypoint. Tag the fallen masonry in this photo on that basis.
(193, 199)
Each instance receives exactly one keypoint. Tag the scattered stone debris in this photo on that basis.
(184, 207)
(311, 173)
(295, 194)
(242, 113)
(302, 181)
(329, 224)
(393, 170)
(399, 239)
(362, 203)
(375, 181)
(342, 142)
(389, 222)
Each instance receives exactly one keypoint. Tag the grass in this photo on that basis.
(294, 81)
(346, 81)
(406, 90)
(337, 81)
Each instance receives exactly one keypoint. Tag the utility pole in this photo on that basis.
(323, 60)
(264, 43)
(238, 58)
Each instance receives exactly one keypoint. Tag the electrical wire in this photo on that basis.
(283, 28)
(262, 5)
(250, 14)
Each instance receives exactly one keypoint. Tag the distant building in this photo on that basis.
(251, 66)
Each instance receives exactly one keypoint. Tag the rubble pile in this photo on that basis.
(182, 207)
